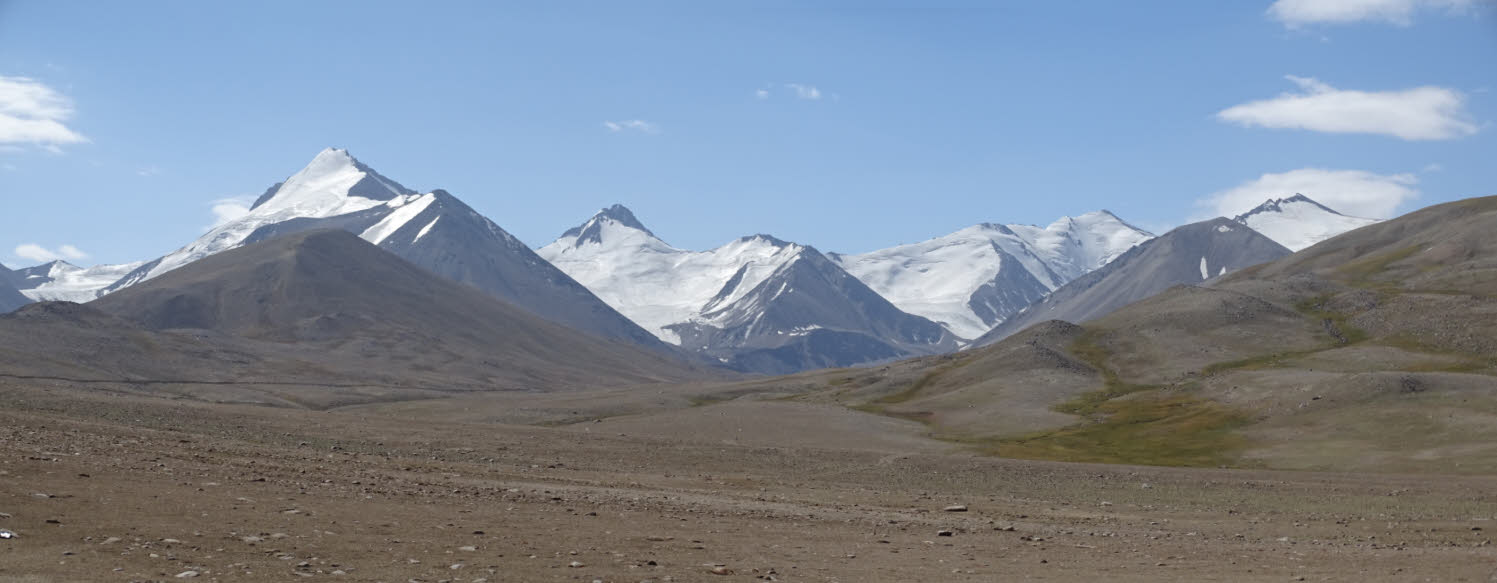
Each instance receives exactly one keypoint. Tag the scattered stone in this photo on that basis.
(576, 564)
(187, 574)
(945, 532)
(111, 540)
(720, 570)
(468, 549)
(956, 508)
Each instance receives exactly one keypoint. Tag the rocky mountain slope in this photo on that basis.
(756, 304)
(971, 280)
(1187, 255)
(318, 316)
(10, 297)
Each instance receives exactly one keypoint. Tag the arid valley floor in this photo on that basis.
(109, 486)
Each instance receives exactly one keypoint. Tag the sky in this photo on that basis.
(128, 129)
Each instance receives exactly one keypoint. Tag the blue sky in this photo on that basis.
(848, 126)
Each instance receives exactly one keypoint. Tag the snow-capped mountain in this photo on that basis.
(1298, 222)
(62, 281)
(433, 230)
(973, 279)
(756, 303)
(1186, 255)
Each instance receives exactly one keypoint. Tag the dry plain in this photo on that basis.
(105, 484)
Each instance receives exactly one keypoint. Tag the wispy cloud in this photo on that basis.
(637, 125)
(40, 254)
(1353, 192)
(796, 90)
(31, 113)
(229, 209)
(1299, 13)
(804, 91)
(1421, 113)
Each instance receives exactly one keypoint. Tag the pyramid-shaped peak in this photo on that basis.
(591, 231)
(331, 176)
(622, 215)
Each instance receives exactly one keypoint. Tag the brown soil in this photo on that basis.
(108, 487)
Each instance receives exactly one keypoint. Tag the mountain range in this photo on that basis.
(755, 304)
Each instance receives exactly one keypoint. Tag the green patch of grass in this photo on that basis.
(1362, 270)
(1087, 349)
(705, 400)
(1150, 429)
(910, 392)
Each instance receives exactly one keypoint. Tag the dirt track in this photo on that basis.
(113, 488)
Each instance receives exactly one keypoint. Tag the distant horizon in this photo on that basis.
(848, 126)
(732, 238)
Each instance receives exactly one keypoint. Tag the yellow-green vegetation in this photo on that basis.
(1361, 270)
(1131, 424)
(1088, 349)
(1315, 308)
(1157, 428)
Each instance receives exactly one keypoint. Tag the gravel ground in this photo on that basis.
(124, 488)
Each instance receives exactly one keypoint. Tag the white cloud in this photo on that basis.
(42, 254)
(1353, 192)
(804, 91)
(228, 209)
(796, 90)
(1421, 113)
(32, 113)
(1298, 13)
(148, 171)
(638, 125)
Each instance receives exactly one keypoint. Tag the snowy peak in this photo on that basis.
(1298, 221)
(1277, 205)
(334, 182)
(53, 269)
(610, 225)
